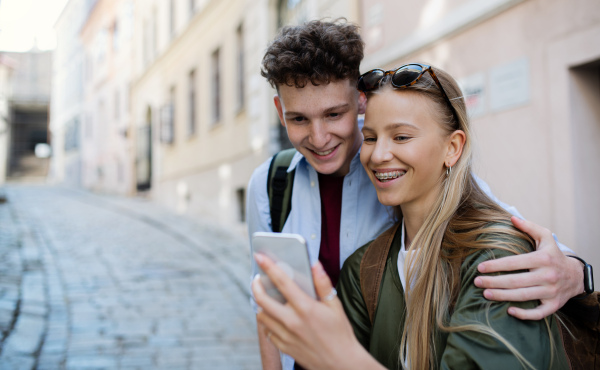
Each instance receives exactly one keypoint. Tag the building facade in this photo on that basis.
(106, 150)
(24, 100)
(66, 109)
(530, 73)
(7, 66)
(203, 116)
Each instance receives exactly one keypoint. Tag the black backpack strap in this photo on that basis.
(279, 188)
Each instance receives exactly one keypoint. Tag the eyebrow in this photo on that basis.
(393, 126)
(337, 107)
(327, 111)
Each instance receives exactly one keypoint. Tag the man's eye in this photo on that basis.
(334, 115)
(297, 119)
(401, 138)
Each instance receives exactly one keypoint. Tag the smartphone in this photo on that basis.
(290, 253)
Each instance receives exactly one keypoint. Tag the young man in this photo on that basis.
(314, 68)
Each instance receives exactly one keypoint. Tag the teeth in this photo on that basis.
(324, 153)
(389, 175)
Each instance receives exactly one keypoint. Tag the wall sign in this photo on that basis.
(510, 85)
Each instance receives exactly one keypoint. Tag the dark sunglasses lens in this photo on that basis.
(406, 75)
(370, 80)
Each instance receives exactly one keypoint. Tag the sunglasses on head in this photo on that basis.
(405, 76)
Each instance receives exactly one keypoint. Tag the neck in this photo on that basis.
(414, 215)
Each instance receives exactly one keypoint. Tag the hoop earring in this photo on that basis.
(448, 170)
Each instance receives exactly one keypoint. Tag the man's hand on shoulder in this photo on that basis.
(553, 278)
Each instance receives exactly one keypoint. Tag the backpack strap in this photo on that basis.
(580, 331)
(372, 266)
(279, 188)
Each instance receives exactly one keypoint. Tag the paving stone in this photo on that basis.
(121, 283)
(15, 362)
(26, 336)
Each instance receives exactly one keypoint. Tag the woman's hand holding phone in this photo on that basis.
(314, 332)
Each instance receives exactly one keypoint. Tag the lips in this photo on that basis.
(385, 176)
(324, 153)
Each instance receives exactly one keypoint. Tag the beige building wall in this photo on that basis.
(66, 105)
(106, 150)
(205, 173)
(530, 69)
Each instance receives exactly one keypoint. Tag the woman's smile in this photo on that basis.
(403, 148)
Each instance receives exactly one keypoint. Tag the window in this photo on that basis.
(240, 62)
(292, 12)
(167, 119)
(241, 198)
(216, 87)
(172, 98)
(126, 97)
(146, 42)
(192, 103)
(116, 40)
(117, 105)
(172, 18)
(89, 132)
(192, 9)
(72, 135)
(154, 36)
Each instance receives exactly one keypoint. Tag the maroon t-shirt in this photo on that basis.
(330, 188)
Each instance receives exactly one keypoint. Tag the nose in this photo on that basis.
(319, 136)
(381, 152)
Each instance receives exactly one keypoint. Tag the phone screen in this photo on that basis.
(290, 253)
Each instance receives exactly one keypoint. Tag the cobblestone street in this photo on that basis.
(100, 282)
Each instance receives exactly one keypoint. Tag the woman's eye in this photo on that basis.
(369, 139)
(401, 138)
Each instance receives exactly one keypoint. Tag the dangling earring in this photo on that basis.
(448, 170)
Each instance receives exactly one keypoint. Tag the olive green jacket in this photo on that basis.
(461, 350)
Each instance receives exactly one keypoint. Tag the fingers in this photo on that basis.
(515, 281)
(510, 263)
(263, 300)
(536, 231)
(323, 285)
(537, 313)
(271, 326)
(519, 295)
(288, 288)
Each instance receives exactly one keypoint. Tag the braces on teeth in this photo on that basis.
(389, 175)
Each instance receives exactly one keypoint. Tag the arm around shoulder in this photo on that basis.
(494, 339)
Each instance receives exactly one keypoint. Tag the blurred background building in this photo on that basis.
(67, 113)
(530, 71)
(24, 101)
(164, 97)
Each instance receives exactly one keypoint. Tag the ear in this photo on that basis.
(456, 142)
(279, 107)
(362, 103)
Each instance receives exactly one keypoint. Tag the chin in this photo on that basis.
(327, 169)
(387, 200)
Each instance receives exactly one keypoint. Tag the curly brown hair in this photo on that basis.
(316, 51)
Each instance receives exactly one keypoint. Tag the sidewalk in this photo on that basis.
(99, 282)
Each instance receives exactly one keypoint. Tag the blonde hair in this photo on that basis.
(451, 232)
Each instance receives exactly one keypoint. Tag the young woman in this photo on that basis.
(417, 152)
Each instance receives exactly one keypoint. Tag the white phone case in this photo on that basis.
(290, 253)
